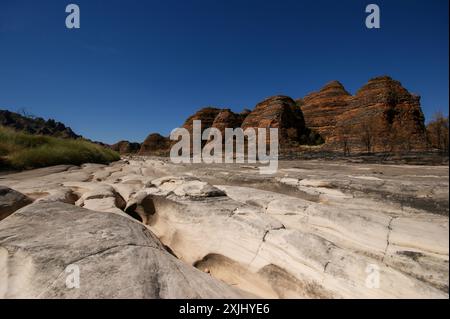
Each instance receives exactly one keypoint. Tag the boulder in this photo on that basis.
(10, 201)
(115, 256)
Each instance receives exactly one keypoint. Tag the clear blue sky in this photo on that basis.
(138, 66)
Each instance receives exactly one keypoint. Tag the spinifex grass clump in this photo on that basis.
(20, 150)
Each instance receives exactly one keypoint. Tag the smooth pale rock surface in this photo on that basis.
(320, 247)
(10, 201)
(315, 229)
(117, 258)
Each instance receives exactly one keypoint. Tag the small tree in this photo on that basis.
(344, 133)
(367, 129)
(437, 132)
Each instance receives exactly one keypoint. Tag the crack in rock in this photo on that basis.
(233, 212)
(263, 240)
(325, 266)
(388, 237)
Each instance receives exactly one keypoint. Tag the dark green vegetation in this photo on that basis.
(20, 150)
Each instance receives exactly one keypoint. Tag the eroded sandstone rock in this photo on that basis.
(322, 108)
(155, 144)
(381, 117)
(116, 257)
(278, 112)
(313, 230)
(126, 147)
(228, 119)
(323, 248)
(206, 115)
(10, 201)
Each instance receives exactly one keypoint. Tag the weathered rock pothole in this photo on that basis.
(236, 275)
(141, 207)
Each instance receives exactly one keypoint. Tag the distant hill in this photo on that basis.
(36, 125)
(126, 147)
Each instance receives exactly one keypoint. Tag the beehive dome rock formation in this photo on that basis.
(155, 144)
(381, 116)
(278, 112)
(385, 115)
(126, 147)
(321, 108)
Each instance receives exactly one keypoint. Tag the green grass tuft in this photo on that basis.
(20, 150)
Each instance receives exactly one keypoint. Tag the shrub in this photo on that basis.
(19, 150)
